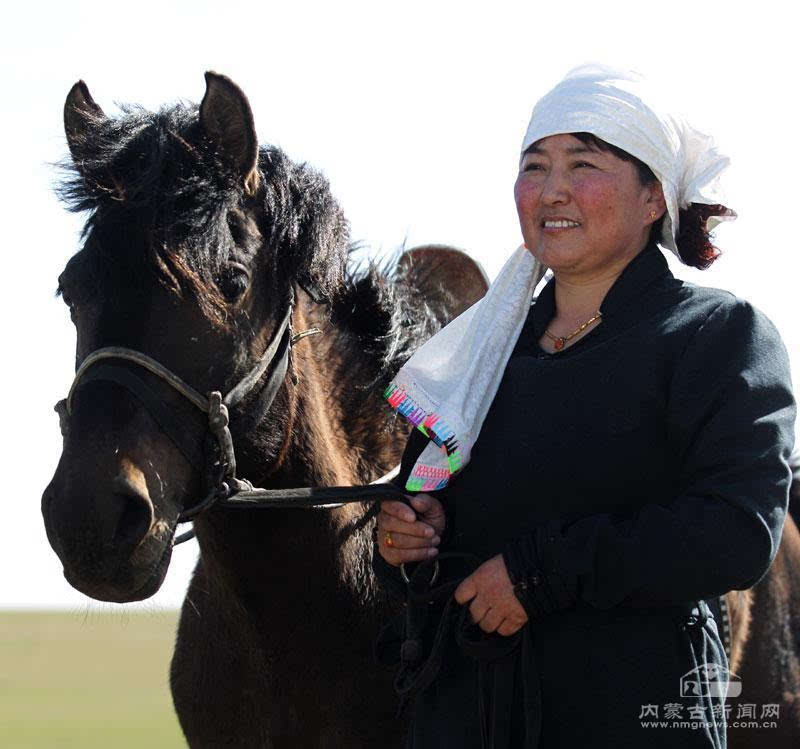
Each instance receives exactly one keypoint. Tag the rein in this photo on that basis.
(216, 458)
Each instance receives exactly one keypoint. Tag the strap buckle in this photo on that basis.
(218, 424)
(434, 574)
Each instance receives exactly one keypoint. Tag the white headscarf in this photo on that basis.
(445, 389)
(621, 108)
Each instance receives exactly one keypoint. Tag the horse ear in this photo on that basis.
(80, 113)
(226, 117)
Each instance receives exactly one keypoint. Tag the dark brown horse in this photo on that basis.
(196, 243)
(766, 642)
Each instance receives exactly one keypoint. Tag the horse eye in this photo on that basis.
(238, 234)
(233, 282)
(67, 300)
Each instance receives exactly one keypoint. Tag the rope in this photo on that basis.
(245, 496)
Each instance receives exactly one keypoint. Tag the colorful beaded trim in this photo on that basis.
(426, 477)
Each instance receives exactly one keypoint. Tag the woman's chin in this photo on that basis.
(558, 259)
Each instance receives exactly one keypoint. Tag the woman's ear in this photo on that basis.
(655, 201)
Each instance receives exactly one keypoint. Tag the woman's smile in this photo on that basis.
(558, 225)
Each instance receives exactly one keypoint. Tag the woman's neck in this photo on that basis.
(576, 301)
(578, 296)
(575, 304)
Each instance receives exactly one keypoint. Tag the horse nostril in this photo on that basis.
(132, 516)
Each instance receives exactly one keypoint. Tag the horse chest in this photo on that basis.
(280, 659)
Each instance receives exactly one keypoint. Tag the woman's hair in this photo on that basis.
(694, 239)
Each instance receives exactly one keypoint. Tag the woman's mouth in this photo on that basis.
(559, 224)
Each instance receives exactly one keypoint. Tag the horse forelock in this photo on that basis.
(153, 197)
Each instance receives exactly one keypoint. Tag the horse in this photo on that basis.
(199, 243)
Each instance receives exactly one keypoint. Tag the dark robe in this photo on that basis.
(629, 481)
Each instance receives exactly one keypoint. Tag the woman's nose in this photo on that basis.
(555, 189)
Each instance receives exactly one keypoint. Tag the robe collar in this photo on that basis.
(637, 279)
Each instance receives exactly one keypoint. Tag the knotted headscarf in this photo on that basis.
(445, 389)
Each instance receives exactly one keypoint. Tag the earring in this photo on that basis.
(653, 214)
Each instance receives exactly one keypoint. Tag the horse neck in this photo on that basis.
(338, 423)
(326, 546)
(337, 433)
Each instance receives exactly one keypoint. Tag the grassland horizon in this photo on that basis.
(87, 679)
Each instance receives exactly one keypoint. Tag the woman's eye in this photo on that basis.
(584, 164)
(532, 168)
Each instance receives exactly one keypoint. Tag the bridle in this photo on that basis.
(212, 453)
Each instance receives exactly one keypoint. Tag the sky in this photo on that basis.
(413, 111)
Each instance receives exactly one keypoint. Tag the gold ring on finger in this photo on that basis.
(388, 539)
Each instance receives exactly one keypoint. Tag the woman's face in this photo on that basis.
(583, 212)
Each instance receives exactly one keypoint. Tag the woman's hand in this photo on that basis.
(408, 536)
(493, 607)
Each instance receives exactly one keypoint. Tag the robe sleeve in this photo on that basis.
(730, 426)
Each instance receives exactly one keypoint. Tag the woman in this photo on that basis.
(613, 457)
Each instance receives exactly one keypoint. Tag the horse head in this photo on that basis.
(197, 245)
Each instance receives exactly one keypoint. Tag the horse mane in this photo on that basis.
(381, 314)
(379, 319)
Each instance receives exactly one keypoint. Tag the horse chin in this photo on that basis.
(133, 580)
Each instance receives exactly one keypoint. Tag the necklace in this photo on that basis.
(561, 340)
